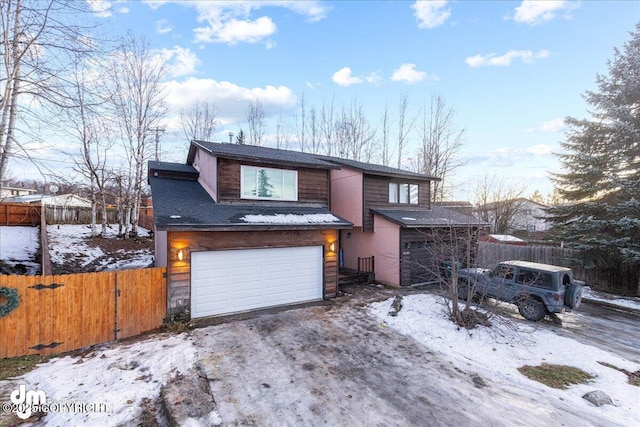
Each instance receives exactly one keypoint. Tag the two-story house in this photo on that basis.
(395, 222)
(241, 227)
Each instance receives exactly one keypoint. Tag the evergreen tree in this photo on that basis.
(241, 138)
(601, 160)
(265, 189)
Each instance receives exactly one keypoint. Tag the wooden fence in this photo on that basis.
(76, 215)
(623, 279)
(57, 314)
(19, 214)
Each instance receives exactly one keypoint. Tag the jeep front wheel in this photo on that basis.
(532, 309)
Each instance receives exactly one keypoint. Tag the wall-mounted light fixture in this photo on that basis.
(332, 246)
(180, 254)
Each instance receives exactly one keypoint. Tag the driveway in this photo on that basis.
(334, 364)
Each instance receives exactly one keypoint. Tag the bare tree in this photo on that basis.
(301, 125)
(255, 119)
(138, 105)
(283, 133)
(327, 126)
(385, 142)
(441, 142)
(85, 125)
(354, 134)
(405, 124)
(35, 37)
(314, 131)
(199, 121)
(498, 203)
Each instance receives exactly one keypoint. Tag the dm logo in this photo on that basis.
(25, 401)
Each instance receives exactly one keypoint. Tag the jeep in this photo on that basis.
(537, 289)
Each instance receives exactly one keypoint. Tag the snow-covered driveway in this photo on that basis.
(338, 365)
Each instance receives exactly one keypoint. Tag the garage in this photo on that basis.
(231, 281)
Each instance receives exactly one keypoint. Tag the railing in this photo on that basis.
(366, 265)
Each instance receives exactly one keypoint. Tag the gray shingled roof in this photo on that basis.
(182, 204)
(374, 169)
(252, 152)
(435, 217)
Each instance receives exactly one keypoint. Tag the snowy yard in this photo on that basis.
(344, 365)
(74, 250)
(20, 245)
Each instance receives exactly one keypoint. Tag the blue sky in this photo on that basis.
(511, 70)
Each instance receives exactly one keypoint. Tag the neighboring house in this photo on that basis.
(395, 222)
(241, 227)
(15, 191)
(529, 215)
(63, 200)
(505, 239)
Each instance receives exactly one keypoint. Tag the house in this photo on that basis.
(528, 216)
(61, 200)
(241, 227)
(15, 191)
(504, 239)
(395, 222)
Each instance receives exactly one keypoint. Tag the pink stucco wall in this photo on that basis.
(207, 165)
(383, 243)
(346, 195)
(160, 243)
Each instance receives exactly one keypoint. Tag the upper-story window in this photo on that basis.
(268, 184)
(403, 193)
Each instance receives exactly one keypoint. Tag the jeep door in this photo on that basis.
(502, 282)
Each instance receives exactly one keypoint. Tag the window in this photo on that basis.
(535, 278)
(268, 184)
(403, 193)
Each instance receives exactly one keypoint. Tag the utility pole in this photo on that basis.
(157, 130)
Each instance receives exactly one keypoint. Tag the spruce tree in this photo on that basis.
(601, 167)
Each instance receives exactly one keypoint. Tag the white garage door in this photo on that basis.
(225, 282)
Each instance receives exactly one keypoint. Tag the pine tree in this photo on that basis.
(601, 160)
(241, 138)
(265, 189)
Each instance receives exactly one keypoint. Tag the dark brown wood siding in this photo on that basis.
(423, 249)
(313, 184)
(376, 195)
(179, 272)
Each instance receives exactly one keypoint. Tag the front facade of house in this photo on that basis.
(242, 228)
(395, 222)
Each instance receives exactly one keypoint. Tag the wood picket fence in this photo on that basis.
(61, 313)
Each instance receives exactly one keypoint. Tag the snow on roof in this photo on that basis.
(290, 219)
(506, 238)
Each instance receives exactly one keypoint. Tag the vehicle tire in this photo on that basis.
(532, 309)
(573, 296)
(463, 289)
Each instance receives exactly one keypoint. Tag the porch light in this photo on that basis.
(180, 254)
(332, 246)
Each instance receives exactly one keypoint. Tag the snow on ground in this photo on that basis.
(120, 377)
(498, 351)
(19, 245)
(70, 241)
(627, 302)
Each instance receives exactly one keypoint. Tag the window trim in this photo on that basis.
(257, 169)
(398, 185)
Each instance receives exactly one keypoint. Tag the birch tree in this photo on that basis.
(138, 106)
(199, 121)
(255, 120)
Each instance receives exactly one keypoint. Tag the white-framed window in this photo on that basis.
(403, 193)
(268, 184)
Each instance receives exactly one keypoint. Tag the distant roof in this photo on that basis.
(505, 238)
(374, 169)
(252, 152)
(435, 217)
(172, 170)
(182, 204)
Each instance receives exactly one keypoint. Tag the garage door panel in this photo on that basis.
(225, 282)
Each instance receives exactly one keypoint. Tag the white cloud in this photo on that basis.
(373, 78)
(230, 99)
(163, 26)
(492, 60)
(101, 8)
(230, 22)
(508, 156)
(550, 126)
(179, 61)
(123, 10)
(431, 14)
(407, 73)
(537, 12)
(344, 78)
